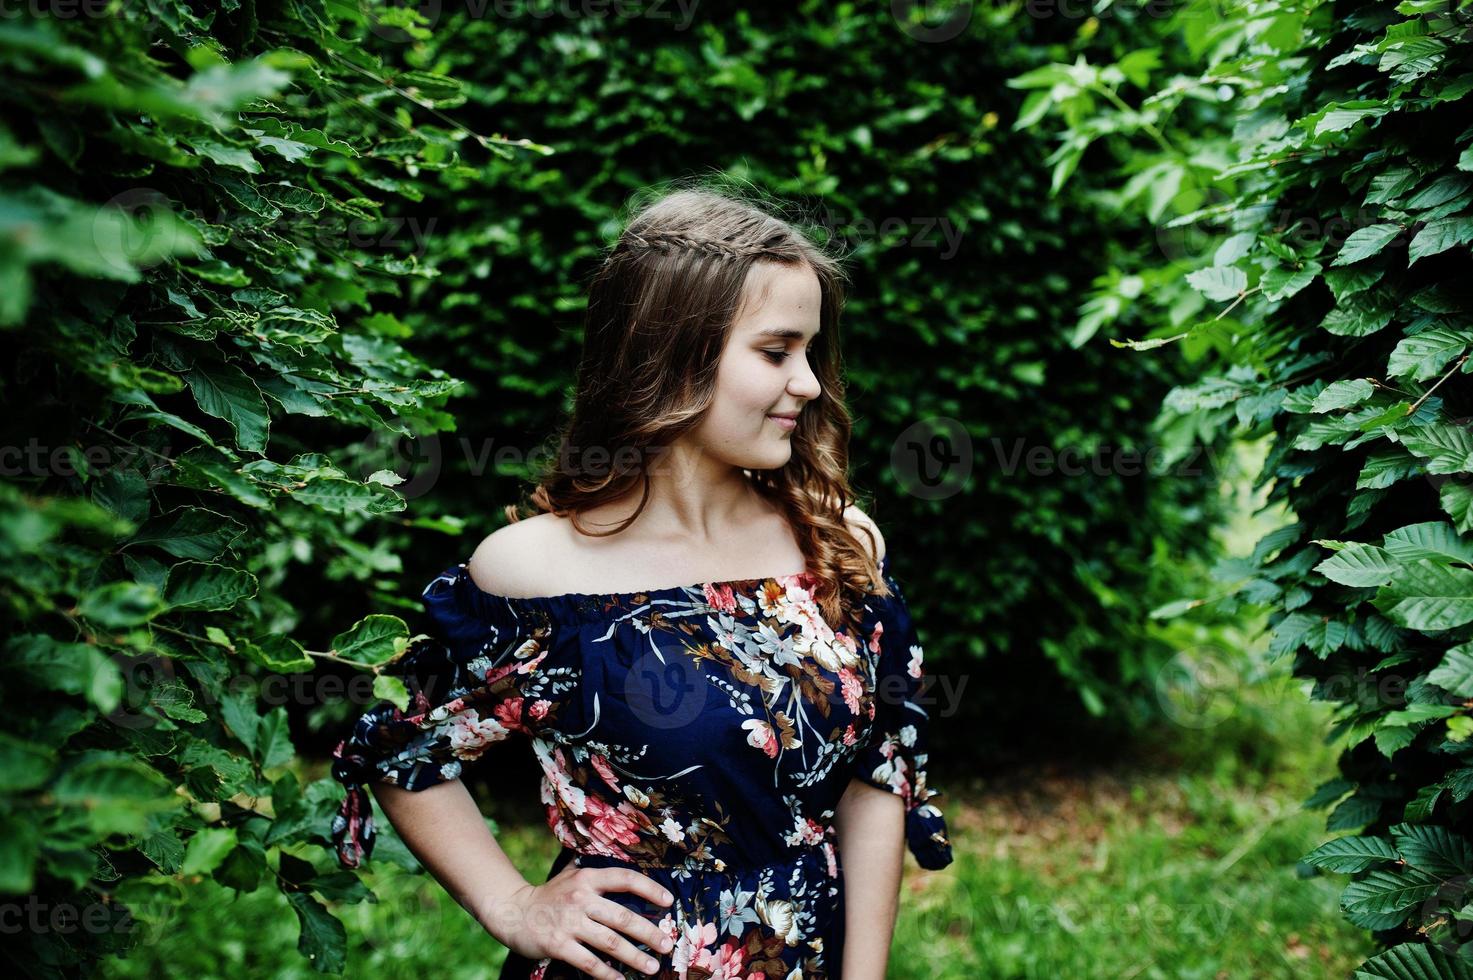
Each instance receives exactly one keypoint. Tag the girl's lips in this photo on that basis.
(785, 423)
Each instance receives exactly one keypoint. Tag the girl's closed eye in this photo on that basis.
(777, 356)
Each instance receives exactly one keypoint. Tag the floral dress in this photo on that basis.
(702, 735)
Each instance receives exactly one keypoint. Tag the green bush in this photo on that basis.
(1035, 579)
(243, 249)
(194, 273)
(1344, 200)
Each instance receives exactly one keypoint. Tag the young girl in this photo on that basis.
(734, 766)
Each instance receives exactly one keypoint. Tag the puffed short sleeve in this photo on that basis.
(465, 679)
(894, 755)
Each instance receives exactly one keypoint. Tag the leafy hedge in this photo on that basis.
(223, 227)
(967, 276)
(1342, 329)
(194, 269)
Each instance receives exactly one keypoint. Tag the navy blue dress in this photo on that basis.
(702, 735)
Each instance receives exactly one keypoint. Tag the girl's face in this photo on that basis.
(764, 370)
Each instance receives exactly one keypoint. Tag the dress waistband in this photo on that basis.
(823, 852)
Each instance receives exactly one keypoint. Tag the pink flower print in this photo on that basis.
(721, 597)
(527, 666)
(561, 830)
(849, 736)
(874, 637)
(509, 713)
(604, 770)
(916, 658)
(667, 926)
(690, 949)
(558, 782)
(894, 771)
(470, 734)
(852, 688)
(796, 591)
(608, 828)
(539, 708)
(726, 962)
(760, 735)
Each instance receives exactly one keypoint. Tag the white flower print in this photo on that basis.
(736, 911)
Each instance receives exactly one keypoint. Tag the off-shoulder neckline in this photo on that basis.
(662, 590)
(587, 605)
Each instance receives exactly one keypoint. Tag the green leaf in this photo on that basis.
(24, 765)
(114, 793)
(323, 940)
(273, 739)
(20, 847)
(277, 653)
(1385, 467)
(1351, 854)
(1439, 236)
(229, 156)
(1339, 116)
(1366, 242)
(1424, 804)
(189, 532)
(1447, 448)
(1282, 282)
(373, 641)
(338, 496)
(1425, 595)
(1358, 565)
(387, 687)
(1455, 672)
(1457, 500)
(1431, 539)
(224, 391)
(1343, 394)
(1424, 355)
(1218, 282)
(1356, 320)
(206, 849)
(1390, 739)
(1428, 847)
(206, 586)
(1389, 892)
(1413, 960)
(121, 604)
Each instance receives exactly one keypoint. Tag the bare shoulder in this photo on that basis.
(859, 522)
(514, 560)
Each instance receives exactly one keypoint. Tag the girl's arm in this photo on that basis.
(871, 829)
(443, 827)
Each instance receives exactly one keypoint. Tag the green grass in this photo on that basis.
(1178, 862)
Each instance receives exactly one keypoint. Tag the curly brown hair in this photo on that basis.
(660, 308)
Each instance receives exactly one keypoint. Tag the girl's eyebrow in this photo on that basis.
(786, 333)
